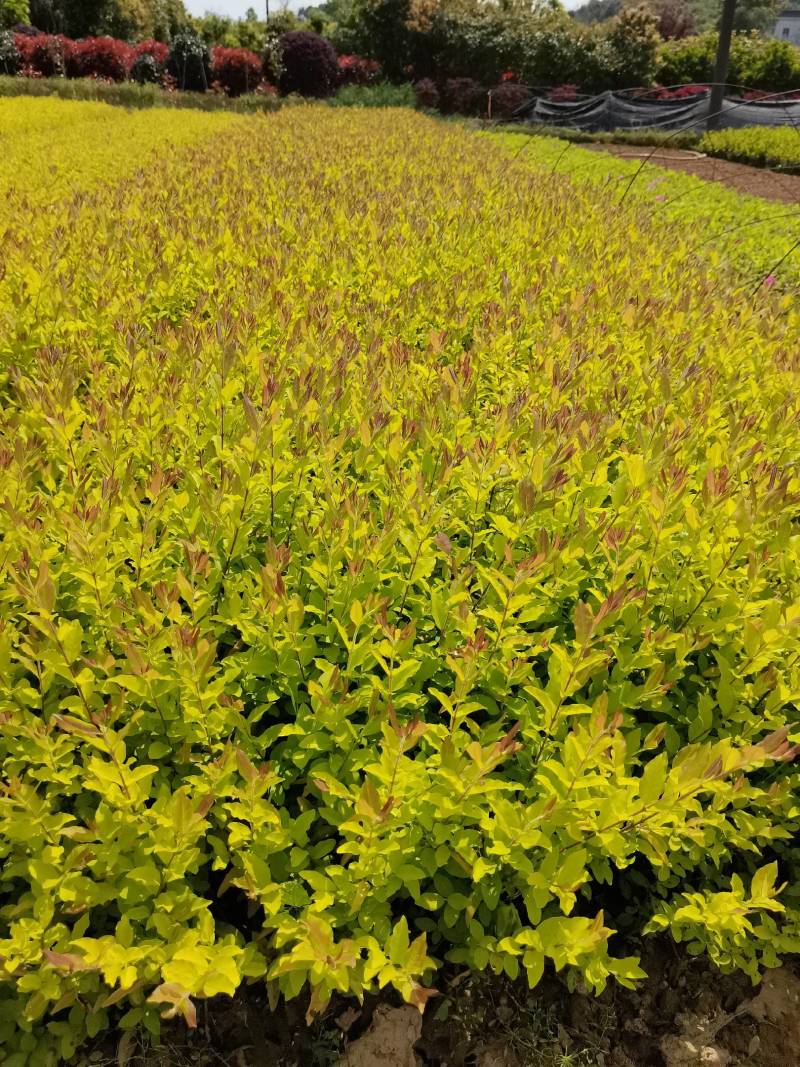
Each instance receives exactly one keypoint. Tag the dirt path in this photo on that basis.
(768, 184)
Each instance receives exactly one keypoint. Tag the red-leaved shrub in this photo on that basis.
(682, 92)
(507, 98)
(563, 93)
(462, 96)
(762, 94)
(236, 70)
(157, 49)
(149, 61)
(44, 56)
(309, 64)
(355, 70)
(99, 57)
(427, 93)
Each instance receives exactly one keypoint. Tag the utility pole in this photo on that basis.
(722, 63)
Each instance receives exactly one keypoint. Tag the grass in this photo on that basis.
(735, 232)
(489, 1010)
(758, 146)
(131, 95)
(649, 138)
(383, 94)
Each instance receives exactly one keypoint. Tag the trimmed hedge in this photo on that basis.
(310, 65)
(236, 70)
(99, 57)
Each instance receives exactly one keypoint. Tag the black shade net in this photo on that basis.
(623, 111)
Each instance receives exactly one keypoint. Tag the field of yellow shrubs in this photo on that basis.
(399, 569)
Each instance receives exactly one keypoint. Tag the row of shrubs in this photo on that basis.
(305, 63)
(298, 62)
(758, 66)
(440, 40)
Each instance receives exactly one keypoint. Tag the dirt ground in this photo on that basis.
(768, 184)
(686, 1014)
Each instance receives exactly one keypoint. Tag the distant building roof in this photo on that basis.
(793, 13)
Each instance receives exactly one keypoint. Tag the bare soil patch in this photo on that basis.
(686, 1014)
(756, 181)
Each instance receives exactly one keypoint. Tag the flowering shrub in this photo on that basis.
(99, 57)
(271, 62)
(354, 70)
(145, 70)
(189, 63)
(236, 70)
(9, 53)
(148, 62)
(309, 64)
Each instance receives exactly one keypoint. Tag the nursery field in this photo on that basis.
(729, 229)
(766, 147)
(399, 567)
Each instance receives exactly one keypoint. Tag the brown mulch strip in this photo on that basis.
(756, 181)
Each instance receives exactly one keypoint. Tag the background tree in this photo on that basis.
(251, 31)
(750, 14)
(682, 18)
(12, 12)
(128, 19)
(632, 38)
(597, 11)
(676, 18)
(216, 29)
